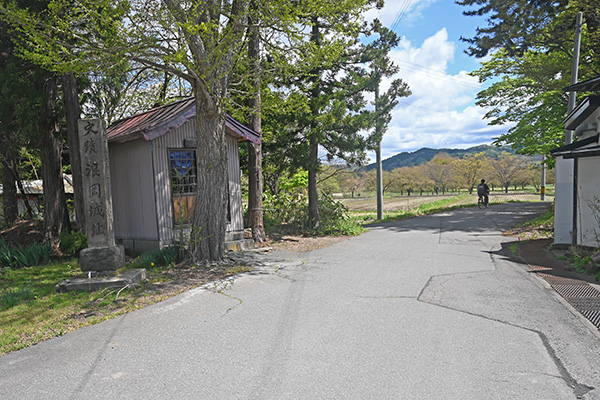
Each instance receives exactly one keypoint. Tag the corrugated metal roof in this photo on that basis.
(160, 120)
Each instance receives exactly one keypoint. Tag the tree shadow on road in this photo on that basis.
(496, 218)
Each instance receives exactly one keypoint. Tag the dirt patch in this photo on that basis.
(23, 233)
(545, 231)
(184, 276)
(304, 244)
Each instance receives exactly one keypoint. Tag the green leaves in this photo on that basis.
(529, 66)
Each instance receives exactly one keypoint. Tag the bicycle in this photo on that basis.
(481, 202)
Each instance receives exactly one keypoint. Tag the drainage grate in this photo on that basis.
(586, 304)
(561, 280)
(537, 268)
(593, 316)
(581, 295)
(577, 291)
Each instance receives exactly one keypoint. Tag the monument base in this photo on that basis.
(88, 283)
(102, 258)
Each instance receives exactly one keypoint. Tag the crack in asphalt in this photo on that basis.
(387, 297)
(271, 268)
(579, 389)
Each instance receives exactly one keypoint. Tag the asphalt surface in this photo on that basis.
(426, 308)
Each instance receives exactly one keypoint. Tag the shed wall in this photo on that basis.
(132, 192)
(563, 210)
(235, 187)
(588, 199)
(162, 183)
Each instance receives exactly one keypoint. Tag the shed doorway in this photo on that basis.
(184, 180)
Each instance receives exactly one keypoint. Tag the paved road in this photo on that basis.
(425, 308)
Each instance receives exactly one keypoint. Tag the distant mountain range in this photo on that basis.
(425, 155)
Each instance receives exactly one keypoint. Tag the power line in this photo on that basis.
(426, 70)
(403, 8)
(424, 108)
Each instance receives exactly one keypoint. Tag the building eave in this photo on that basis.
(582, 112)
(575, 147)
(589, 85)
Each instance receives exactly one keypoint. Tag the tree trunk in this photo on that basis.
(255, 192)
(56, 217)
(208, 230)
(255, 176)
(9, 196)
(69, 87)
(313, 197)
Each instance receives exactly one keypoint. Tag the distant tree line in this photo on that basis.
(443, 174)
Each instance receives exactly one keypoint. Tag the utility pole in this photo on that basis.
(378, 156)
(571, 107)
(574, 72)
(543, 186)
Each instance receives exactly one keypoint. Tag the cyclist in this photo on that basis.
(483, 190)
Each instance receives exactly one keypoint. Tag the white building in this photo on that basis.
(577, 209)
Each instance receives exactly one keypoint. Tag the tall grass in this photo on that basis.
(19, 256)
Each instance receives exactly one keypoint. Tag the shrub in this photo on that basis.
(72, 242)
(335, 219)
(583, 263)
(159, 258)
(288, 212)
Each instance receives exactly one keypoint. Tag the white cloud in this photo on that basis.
(441, 111)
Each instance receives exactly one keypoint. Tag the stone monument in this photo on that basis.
(102, 259)
(102, 254)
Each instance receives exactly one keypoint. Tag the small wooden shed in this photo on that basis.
(153, 175)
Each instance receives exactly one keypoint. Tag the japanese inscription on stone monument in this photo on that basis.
(96, 183)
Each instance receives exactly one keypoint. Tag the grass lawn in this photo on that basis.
(32, 311)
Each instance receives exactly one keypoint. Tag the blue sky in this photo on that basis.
(441, 112)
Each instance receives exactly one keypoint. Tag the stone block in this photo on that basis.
(102, 258)
(114, 280)
(239, 245)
